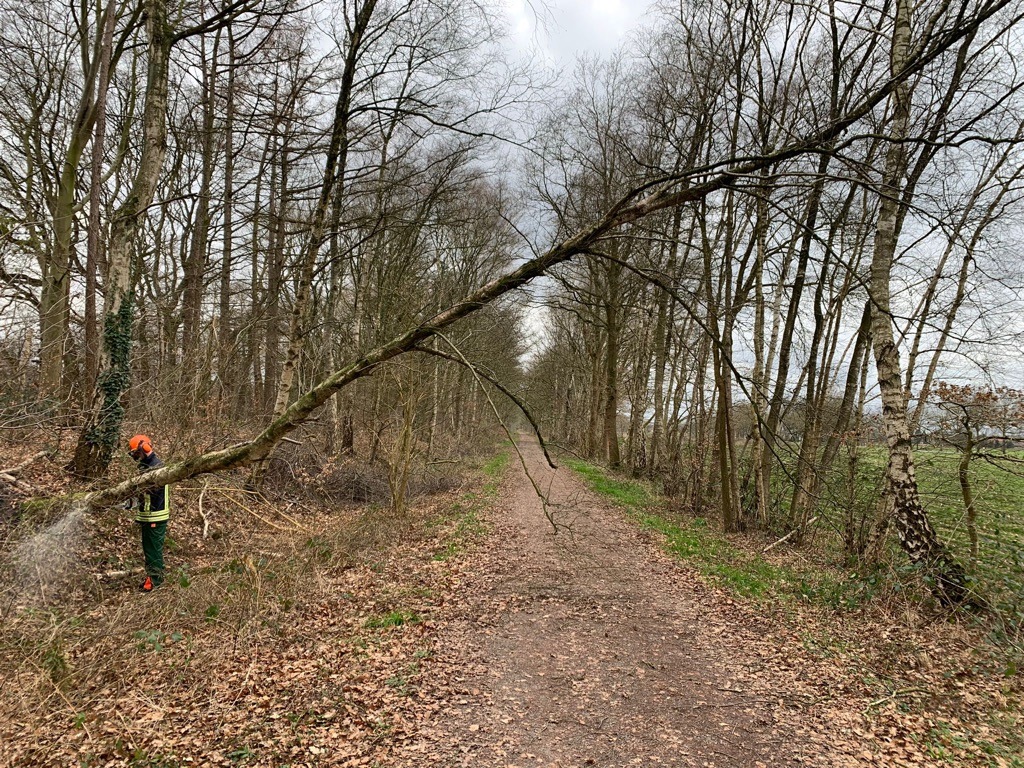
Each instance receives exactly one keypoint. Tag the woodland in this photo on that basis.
(763, 261)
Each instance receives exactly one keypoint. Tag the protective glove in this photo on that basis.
(130, 503)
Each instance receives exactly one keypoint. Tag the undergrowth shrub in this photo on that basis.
(248, 590)
(349, 480)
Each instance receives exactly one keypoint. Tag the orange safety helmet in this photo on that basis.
(140, 444)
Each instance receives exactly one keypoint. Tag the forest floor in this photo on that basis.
(482, 638)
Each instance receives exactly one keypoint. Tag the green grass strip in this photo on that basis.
(464, 516)
(695, 542)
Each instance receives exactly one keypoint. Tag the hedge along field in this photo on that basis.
(998, 499)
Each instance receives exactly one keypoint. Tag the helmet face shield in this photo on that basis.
(140, 446)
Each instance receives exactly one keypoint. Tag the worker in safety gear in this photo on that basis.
(152, 511)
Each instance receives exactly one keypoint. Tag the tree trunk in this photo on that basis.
(759, 378)
(857, 532)
(102, 430)
(94, 254)
(54, 297)
(194, 267)
(336, 163)
(966, 491)
(275, 280)
(846, 406)
(225, 372)
(611, 369)
(916, 535)
(251, 363)
(54, 300)
(593, 441)
(808, 470)
(662, 344)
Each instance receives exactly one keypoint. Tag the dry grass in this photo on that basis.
(76, 637)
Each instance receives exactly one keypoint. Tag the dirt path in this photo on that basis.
(592, 648)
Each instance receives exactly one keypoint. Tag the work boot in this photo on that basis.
(147, 585)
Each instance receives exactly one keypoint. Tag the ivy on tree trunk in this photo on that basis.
(102, 432)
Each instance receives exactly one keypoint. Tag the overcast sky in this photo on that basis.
(558, 31)
(562, 29)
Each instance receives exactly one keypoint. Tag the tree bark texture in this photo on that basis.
(914, 529)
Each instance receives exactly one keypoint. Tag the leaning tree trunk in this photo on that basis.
(916, 535)
(102, 429)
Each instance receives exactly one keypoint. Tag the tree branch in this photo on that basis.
(477, 370)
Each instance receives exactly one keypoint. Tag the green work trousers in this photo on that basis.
(153, 535)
